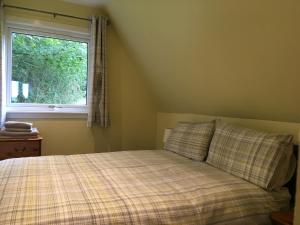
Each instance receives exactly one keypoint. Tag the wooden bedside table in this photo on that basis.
(282, 218)
(15, 148)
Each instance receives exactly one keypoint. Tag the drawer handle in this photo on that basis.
(20, 150)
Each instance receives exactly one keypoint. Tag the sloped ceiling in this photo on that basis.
(231, 58)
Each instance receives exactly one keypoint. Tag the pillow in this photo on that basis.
(258, 157)
(190, 139)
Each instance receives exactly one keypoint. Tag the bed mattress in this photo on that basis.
(129, 187)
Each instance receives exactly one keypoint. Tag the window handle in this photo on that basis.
(53, 106)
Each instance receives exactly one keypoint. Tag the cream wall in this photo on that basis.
(132, 107)
(232, 58)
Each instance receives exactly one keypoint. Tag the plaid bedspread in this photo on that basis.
(130, 187)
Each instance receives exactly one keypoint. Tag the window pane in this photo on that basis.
(48, 70)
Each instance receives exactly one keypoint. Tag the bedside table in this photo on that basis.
(15, 148)
(282, 218)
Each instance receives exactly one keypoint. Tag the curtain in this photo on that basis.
(98, 99)
(2, 67)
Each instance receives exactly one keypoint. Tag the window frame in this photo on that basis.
(36, 110)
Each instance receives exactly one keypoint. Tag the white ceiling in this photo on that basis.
(88, 2)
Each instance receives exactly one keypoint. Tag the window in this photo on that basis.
(47, 71)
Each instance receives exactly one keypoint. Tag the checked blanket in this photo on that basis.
(129, 187)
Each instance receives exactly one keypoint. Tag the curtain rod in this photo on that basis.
(46, 12)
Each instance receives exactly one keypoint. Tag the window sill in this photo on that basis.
(59, 113)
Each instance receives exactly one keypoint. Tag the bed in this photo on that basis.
(129, 187)
(143, 187)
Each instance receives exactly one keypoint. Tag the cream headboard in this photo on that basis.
(169, 120)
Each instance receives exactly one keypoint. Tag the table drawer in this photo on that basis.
(16, 149)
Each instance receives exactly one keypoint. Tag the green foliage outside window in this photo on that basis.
(55, 69)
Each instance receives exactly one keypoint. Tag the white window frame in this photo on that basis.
(34, 110)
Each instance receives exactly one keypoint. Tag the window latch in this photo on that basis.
(53, 106)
